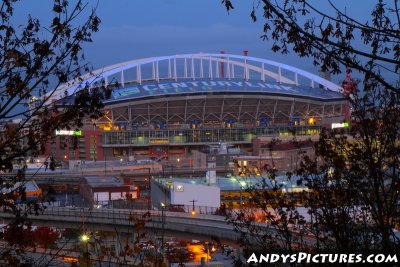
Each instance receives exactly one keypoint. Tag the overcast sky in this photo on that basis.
(132, 29)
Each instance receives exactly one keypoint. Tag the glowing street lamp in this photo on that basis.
(85, 238)
(242, 184)
(162, 225)
(193, 209)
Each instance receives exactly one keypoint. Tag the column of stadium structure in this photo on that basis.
(138, 74)
(169, 69)
(240, 110)
(185, 68)
(210, 68)
(201, 68)
(148, 116)
(216, 69)
(233, 70)
(167, 117)
(262, 72)
(228, 68)
(222, 72)
(296, 79)
(245, 74)
(257, 110)
(204, 111)
(122, 78)
(221, 115)
(130, 158)
(175, 75)
(292, 110)
(192, 69)
(279, 75)
(185, 117)
(157, 72)
(274, 114)
(153, 73)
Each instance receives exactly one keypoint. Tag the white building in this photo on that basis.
(184, 194)
(203, 195)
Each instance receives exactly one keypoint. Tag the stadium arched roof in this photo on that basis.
(203, 73)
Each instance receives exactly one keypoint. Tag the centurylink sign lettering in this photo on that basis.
(198, 86)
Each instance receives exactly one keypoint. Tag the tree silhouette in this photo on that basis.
(333, 38)
(351, 185)
(346, 197)
(36, 59)
(45, 236)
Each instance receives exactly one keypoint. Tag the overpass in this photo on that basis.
(63, 176)
(123, 221)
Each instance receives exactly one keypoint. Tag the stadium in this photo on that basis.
(165, 107)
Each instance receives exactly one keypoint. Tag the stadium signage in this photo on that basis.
(340, 125)
(159, 141)
(154, 88)
(69, 132)
(211, 84)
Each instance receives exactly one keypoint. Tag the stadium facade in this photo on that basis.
(167, 106)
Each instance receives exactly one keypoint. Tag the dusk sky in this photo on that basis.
(143, 28)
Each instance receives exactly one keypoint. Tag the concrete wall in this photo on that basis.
(199, 159)
(138, 167)
(159, 195)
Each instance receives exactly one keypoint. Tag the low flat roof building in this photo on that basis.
(97, 189)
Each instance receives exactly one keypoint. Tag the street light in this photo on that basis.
(193, 210)
(241, 185)
(162, 229)
(85, 237)
(162, 225)
(85, 240)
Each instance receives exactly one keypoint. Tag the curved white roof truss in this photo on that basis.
(196, 66)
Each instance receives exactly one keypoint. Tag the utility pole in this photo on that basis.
(105, 162)
(163, 206)
(148, 189)
(162, 225)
